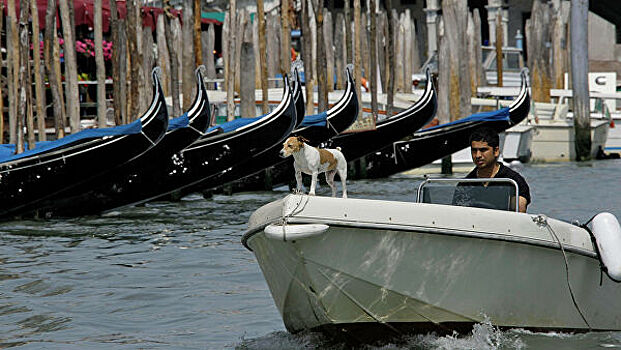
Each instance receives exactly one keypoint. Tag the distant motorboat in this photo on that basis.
(552, 123)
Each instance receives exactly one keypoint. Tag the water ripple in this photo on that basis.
(173, 275)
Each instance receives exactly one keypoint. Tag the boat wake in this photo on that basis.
(483, 336)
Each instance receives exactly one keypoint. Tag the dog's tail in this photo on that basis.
(338, 149)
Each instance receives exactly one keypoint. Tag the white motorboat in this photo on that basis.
(373, 267)
(554, 140)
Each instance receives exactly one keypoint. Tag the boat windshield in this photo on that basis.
(499, 194)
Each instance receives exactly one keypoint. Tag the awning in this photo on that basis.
(84, 13)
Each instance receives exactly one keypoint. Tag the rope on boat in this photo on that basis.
(542, 220)
(602, 268)
(332, 126)
(295, 211)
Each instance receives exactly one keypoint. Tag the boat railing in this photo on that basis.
(490, 193)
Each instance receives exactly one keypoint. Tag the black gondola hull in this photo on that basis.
(250, 174)
(217, 153)
(427, 146)
(358, 144)
(219, 157)
(27, 182)
(130, 182)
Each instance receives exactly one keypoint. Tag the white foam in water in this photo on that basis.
(484, 336)
(546, 334)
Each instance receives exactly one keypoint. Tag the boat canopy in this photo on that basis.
(315, 120)
(7, 151)
(498, 115)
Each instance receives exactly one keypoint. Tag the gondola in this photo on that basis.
(129, 183)
(434, 143)
(56, 166)
(257, 163)
(298, 99)
(357, 144)
(316, 128)
(221, 148)
(343, 113)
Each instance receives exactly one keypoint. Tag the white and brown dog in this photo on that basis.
(312, 161)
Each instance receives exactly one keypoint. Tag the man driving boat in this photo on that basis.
(485, 150)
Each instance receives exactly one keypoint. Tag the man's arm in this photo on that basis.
(522, 202)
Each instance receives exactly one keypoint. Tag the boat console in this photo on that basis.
(499, 194)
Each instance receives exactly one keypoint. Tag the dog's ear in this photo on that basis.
(302, 139)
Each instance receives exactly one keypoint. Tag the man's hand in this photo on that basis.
(522, 202)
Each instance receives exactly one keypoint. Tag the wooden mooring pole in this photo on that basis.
(12, 67)
(538, 37)
(263, 57)
(71, 73)
(372, 73)
(39, 72)
(174, 63)
(285, 38)
(51, 53)
(390, 59)
(163, 57)
(25, 90)
(118, 69)
(579, 71)
(229, 61)
(322, 88)
(307, 56)
(247, 64)
(499, 44)
(443, 84)
(101, 68)
(198, 50)
(357, 52)
(187, 55)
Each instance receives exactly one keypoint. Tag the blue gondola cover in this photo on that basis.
(7, 150)
(498, 115)
(315, 120)
(235, 124)
(179, 122)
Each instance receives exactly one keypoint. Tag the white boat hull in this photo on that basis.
(554, 140)
(613, 143)
(517, 143)
(390, 265)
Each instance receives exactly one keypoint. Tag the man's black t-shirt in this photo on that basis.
(507, 173)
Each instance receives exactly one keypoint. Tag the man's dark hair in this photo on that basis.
(485, 134)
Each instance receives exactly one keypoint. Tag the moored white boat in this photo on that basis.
(371, 267)
(554, 140)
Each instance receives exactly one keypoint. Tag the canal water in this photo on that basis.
(175, 276)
